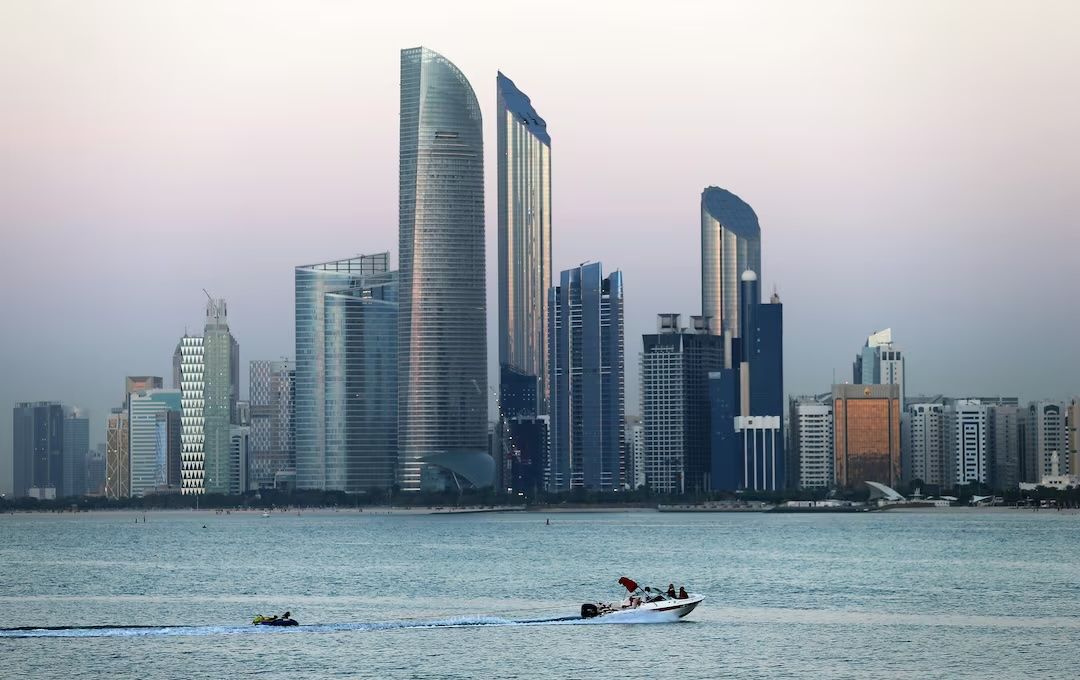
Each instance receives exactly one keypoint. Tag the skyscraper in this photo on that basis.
(866, 434)
(76, 449)
(38, 449)
(220, 393)
(880, 363)
(271, 392)
(524, 170)
(966, 442)
(730, 245)
(923, 449)
(148, 446)
(586, 364)
(192, 381)
(812, 437)
(117, 454)
(1046, 448)
(345, 415)
(1005, 443)
(442, 344)
(675, 367)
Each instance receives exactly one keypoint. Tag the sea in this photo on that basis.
(920, 594)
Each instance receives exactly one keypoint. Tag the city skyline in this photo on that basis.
(611, 210)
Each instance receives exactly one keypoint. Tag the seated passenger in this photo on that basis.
(682, 593)
(671, 590)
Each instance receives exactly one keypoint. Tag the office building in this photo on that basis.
(675, 367)
(442, 339)
(524, 454)
(1046, 452)
(880, 363)
(966, 443)
(239, 458)
(634, 453)
(1004, 443)
(524, 238)
(192, 380)
(1073, 424)
(747, 399)
(95, 471)
(149, 441)
(730, 245)
(866, 434)
(117, 454)
(923, 449)
(76, 449)
(220, 393)
(271, 386)
(812, 438)
(38, 449)
(345, 408)
(586, 366)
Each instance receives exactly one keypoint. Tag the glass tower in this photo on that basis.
(345, 403)
(730, 245)
(524, 169)
(442, 344)
(190, 351)
(220, 356)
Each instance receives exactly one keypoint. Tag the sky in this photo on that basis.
(913, 165)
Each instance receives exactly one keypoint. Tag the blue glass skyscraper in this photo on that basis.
(730, 245)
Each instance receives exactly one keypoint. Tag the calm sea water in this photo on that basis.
(882, 595)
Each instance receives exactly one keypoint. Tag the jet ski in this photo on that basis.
(647, 599)
(261, 620)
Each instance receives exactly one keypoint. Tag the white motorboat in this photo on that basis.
(647, 599)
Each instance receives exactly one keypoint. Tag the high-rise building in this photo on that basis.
(880, 363)
(634, 456)
(675, 367)
(586, 364)
(442, 343)
(524, 181)
(117, 454)
(76, 449)
(38, 449)
(239, 457)
(1073, 423)
(220, 393)
(866, 434)
(272, 451)
(1004, 442)
(148, 439)
(95, 471)
(730, 245)
(168, 429)
(812, 437)
(345, 413)
(966, 442)
(923, 444)
(192, 381)
(747, 399)
(1047, 440)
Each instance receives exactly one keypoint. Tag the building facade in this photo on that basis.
(866, 434)
(76, 450)
(880, 363)
(1005, 441)
(730, 245)
(966, 442)
(38, 449)
(117, 455)
(1046, 452)
(812, 436)
(442, 339)
(923, 444)
(586, 366)
(220, 393)
(271, 387)
(149, 442)
(192, 401)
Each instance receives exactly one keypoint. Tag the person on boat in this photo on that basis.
(287, 615)
(682, 593)
(671, 590)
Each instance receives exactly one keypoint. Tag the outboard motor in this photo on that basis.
(589, 610)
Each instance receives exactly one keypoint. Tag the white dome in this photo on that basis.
(749, 275)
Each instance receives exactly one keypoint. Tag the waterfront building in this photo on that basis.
(345, 407)
(76, 448)
(1046, 441)
(586, 366)
(1004, 444)
(117, 455)
(634, 452)
(441, 329)
(221, 355)
(524, 453)
(270, 387)
(880, 363)
(1073, 424)
(149, 440)
(866, 434)
(730, 245)
(812, 436)
(966, 442)
(192, 401)
(923, 444)
(38, 449)
(675, 367)
(95, 471)
(524, 238)
(747, 399)
(239, 457)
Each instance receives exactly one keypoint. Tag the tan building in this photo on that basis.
(866, 434)
(117, 455)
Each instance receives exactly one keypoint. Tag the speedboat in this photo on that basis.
(647, 599)
(261, 620)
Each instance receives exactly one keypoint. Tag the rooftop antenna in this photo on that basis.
(208, 295)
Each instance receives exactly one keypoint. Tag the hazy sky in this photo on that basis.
(913, 165)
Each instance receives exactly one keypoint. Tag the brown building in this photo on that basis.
(866, 434)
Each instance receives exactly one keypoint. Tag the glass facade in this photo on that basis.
(219, 394)
(345, 402)
(524, 170)
(76, 448)
(270, 387)
(38, 447)
(730, 245)
(148, 440)
(866, 434)
(191, 423)
(587, 369)
(442, 344)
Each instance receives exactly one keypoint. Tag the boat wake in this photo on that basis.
(628, 617)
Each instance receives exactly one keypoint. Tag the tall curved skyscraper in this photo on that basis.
(730, 245)
(524, 170)
(442, 343)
